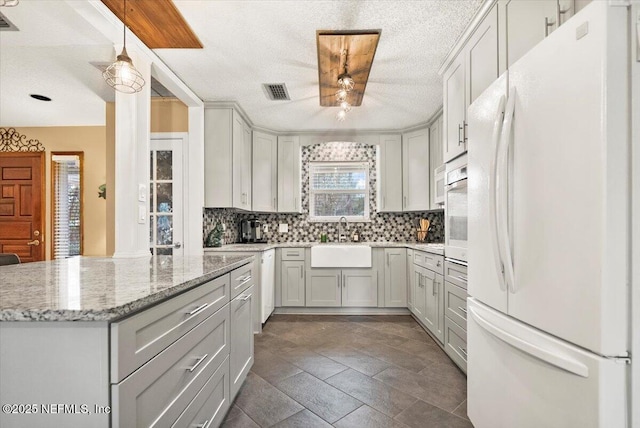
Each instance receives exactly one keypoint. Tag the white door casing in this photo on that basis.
(166, 193)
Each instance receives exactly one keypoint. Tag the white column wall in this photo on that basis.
(133, 133)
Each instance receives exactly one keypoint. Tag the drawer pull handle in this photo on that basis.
(292, 254)
(198, 309)
(243, 278)
(464, 351)
(462, 309)
(205, 424)
(200, 360)
(462, 278)
(244, 298)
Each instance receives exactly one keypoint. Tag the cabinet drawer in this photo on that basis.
(455, 304)
(157, 393)
(292, 254)
(137, 339)
(455, 343)
(430, 261)
(419, 258)
(241, 279)
(434, 262)
(209, 407)
(455, 273)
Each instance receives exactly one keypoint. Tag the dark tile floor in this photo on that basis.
(349, 372)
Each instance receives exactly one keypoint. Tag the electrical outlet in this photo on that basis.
(283, 228)
(224, 227)
(265, 228)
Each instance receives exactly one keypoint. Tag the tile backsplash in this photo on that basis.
(381, 227)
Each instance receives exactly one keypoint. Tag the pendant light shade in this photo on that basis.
(122, 75)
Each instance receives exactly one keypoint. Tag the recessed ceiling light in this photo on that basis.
(40, 97)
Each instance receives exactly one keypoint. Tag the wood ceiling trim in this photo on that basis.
(158, 23)
(361, 46)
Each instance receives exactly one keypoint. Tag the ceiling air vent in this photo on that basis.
(6, 25)
(276, 91)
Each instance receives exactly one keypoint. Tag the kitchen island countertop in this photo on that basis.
(100, 288)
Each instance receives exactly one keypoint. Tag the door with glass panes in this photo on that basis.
(165, 196)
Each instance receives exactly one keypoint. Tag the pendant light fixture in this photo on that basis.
(122, 75)
(345, 85)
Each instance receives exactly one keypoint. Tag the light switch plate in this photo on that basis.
(142, 193)
(142, 214)
(283, 228)
(265, 228)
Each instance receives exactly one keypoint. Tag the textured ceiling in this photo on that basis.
(247, 43)
(50, 55)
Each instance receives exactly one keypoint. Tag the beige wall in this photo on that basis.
(169, 115)
(92, 141)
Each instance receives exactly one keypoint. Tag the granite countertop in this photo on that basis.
(102, 289)
(230, 248)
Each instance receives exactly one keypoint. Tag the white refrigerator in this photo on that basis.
(549, 226)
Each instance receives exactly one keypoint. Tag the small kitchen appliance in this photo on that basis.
(251, 231)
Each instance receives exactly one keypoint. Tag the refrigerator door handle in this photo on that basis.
(502, 191)
(549, 356)
(493, 218)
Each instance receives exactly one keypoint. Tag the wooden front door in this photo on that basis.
(21, 203)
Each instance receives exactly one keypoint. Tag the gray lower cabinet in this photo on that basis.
(324, 287)
(359, 288)
(419, 291)
(427, 291)
(209, 407)
(194, 379)
(342, 288)
(292, 280)
(456, 343)
(156, 394)
(434, 312)
(395, 277)
(455, 304)
(241, 349)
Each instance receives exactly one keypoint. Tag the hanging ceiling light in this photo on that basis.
(345, 81)
(341, 95)
(9, 3)
(122, 75)
(345, 85)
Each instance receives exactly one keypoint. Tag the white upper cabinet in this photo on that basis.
(482, 57)
(474, 68)
(227, 165)
(455, 109)
(528, 22)
(265, 172)
(389, 160)
(415, 171)
(289, 199)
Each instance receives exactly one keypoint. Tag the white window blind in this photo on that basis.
(339, 189)
(66, 218)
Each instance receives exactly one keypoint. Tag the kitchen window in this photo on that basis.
(339, 189)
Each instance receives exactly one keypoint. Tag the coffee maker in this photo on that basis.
(251, 231)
